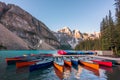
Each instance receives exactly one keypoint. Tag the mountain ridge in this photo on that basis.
(66, 36)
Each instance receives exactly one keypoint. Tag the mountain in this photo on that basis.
(68, 37)
(9, 40)
(65, 30)
(77, 34)
(23, 31)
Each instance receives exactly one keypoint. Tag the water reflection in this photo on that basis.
(115, 75)
(67, 72)
(41, 74)
(58, 73)
(22, 70)
(94, 71)
(12, 73)
(108, 69)
(77, 70)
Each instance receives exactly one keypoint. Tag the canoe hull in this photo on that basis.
(74, 62)
(91, 65)
(103, 63)
(68, 63)
(96, 72)
(11, 61)
(24, 64)
(59, 67)
(58, 73)
(38, 66)
(61, 52)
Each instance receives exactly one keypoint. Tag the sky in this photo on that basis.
(83, 15)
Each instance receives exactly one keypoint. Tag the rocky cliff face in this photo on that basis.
(32, 31)
(9, 40)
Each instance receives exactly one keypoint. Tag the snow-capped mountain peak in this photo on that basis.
(65, 36)
(65, 30)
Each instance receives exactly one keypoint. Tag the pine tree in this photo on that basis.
(117, 27)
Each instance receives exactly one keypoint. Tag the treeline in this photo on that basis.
(109, 34)
(89, 45)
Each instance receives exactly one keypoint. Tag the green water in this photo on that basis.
(10, 53)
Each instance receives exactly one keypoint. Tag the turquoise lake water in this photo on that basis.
(82, 73)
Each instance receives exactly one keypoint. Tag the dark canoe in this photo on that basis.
(13, 60)
(70, 52)
(75, 66)
(25, 58)
(27, 63)
(42, 64)
(74, 62)
(80, 52)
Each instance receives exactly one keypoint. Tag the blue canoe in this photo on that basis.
(89, 52)
(42, 64)
(70, 52)
(80, 52)
(74, 62)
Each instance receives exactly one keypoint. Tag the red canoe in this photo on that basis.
(103, 63)
(61, 52)
(25, 64)
(10, 61)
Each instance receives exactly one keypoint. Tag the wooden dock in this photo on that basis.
(117, 60)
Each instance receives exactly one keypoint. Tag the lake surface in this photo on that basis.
(50, 73)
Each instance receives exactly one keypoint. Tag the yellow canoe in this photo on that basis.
(67, 63)
(58, 73)
(89, 64)
(59, 67)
